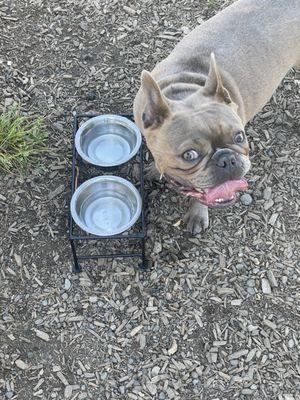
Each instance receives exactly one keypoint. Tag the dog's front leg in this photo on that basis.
(197, 217)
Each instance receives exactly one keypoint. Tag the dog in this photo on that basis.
(193, 107)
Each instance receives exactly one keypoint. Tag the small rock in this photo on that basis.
(155, 371)
(8, 101)
(157, 247)
(291, 343)
(271, 278)
(247, 392)
(136, 330)
(161, 396)
(269, 324)
(268, 204)
(122, 389)
(68, 391)
(18, 260)
(246, 199)
(251, 282)
(67, 284)
(241, 267)
(9, 394)
(151, 388)
(58, 127)
(250, 355)
(237, 302)
(284, 280)
(265, 286)
(103, 376)
(172, 350)
(273, 219)
(42, 335)
(251, 290)
(62, 378)
(267, 193)
(129, 10)
(238, 354)
(21, 364)
(83, 25)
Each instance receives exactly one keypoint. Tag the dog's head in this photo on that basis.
(198, 143)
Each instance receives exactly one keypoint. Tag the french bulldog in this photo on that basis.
(193, 107)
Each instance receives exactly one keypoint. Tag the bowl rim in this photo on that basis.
(118, 119)
(87, 183)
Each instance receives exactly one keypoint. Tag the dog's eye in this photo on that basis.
(190, 155)
(239, 137)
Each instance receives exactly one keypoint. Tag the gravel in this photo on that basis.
(267, 193)
(265, 286)
(217, 316)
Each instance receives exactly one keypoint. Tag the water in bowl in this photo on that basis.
(108, 149)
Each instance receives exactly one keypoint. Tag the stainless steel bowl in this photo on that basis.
(106, 205)
(108, 140)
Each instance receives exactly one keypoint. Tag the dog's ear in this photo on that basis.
(214, 85)
(156, 109)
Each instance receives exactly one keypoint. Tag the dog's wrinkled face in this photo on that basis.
(198, 144)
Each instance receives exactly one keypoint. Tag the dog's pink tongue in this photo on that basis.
(224, 191)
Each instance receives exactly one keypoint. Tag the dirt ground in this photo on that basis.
(217, 316)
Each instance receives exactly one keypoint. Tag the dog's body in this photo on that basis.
(193, 107)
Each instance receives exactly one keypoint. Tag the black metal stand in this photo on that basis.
(137, 236)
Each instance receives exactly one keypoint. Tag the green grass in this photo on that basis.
(22, 140)
(211, 3)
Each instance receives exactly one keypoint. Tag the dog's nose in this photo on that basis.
(225, 158)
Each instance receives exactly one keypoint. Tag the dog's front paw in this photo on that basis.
(196, 218)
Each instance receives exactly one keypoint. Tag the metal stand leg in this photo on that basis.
(144, 264)
(77, 267)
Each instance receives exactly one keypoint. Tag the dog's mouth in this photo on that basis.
(218, 196)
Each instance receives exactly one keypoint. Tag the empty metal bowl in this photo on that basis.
(108, 140)
(106, 205)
